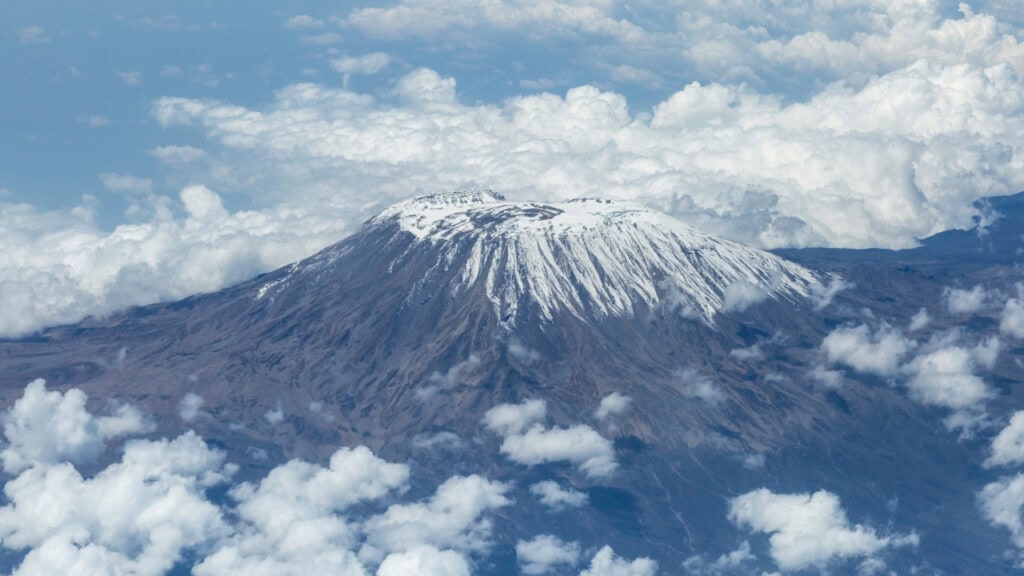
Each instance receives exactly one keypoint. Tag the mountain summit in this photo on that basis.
(590, 257)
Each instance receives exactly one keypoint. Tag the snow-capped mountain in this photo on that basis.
(629, 380)
(589, 257)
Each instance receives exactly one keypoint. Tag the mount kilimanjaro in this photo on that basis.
(691, 365)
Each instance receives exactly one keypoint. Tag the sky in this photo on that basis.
(152, 151)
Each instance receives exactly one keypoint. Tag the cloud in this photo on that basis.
(944, 375)
(729, 563)
(557, 498)
(126, 183)
(452, 518)
(190, 406)
(130, 78)
(697, 386)
(290, 522)
(424, 561)
(527, 441)
(177, 155)
(33, 35)
(58, 267)
(808, 530)
(606, 563)
(1001, 503)
(47, 426)
(1008, 446)
(843, 167)
(366, 64)
(752, 352)
(303, 21)
(612, 405)
(822, 294)
(275, 416)
(796, 126)
(456, 374)
(428, 18)
(542, 553)
(442, 439)
(1011, 321)
(522, 352)
(877, 352)
(919, 320)
(138, 516)
(739, 296)
(966, 301)
(151, 510)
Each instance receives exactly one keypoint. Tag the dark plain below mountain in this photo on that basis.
(402, 336)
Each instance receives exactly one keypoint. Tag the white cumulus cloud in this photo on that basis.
(874, 352)
(808, 530)
(48, 426)
(527, 441)
(544, 552)
(607, 563)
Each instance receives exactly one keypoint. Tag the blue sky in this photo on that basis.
(154, 151)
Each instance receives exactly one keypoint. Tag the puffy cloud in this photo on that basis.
(808, 530)
(580, 445)
(452, 518)
(509, 419)
(922, 120)
(845, 167)
(189, 406)
(57, 268)
(290, 521)
(527, 441)
(612, 405)
(1008, 445)
(46, 427)
(695, 385)
(540, 554)
(150, 511)
(966, 301)
(877, 352)
(137, 516)
(944, 374)
(1002, 502)
(606, 563)
(1011, 321)
(424, 561)
(557, 498)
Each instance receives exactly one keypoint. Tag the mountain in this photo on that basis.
(407, 335)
